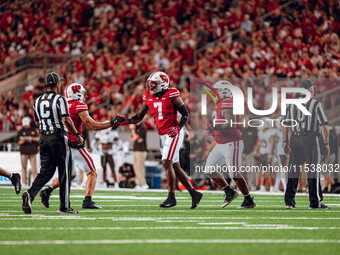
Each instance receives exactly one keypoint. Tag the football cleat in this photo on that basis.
(67, 211)
(26, 203)
(321, 207)
(248, 203)
(16, 181)
(169, 202)
(290, 207)
(230, 195)
(45, 196)
(90, 205)
(196, 198)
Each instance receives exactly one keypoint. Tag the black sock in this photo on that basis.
(247, 196)
(192, 192)
(227, 189)
(49, 189)
(171, 195)
(87, 199)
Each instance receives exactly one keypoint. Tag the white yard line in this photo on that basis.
(249, 227)
(159, 219)
(169, 241)
(218, 201)
(165, 192)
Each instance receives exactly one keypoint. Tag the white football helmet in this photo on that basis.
(157, 82)
(221, 89)
(75, 91)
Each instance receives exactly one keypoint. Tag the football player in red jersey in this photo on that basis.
(228, 148)
(75, 94)
(163, 103)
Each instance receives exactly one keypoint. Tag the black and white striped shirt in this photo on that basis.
(48, 110)
(306, 124)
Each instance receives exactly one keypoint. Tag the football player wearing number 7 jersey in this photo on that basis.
(163, 103)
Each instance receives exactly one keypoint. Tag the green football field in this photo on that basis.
(132, 223)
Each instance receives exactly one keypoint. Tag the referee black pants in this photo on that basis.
(54, 152)
(305, 149)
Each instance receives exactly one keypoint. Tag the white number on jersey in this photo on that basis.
(158, 105)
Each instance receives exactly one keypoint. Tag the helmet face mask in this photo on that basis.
(157, 82)
(75, 91)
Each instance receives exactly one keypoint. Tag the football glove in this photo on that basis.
(119, 121)
(172, 132)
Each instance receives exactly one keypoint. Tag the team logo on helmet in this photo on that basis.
(157, 82)
(223, 92)
(75, 91)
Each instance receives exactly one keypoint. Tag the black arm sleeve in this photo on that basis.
(185, 116)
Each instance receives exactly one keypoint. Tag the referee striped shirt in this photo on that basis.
(306, 124)
(48, 110)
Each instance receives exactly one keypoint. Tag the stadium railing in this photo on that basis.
(18, 90)
(31, 61)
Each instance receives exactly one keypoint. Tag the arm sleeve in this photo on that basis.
(322, 118)
(185, 116)
(63, 107)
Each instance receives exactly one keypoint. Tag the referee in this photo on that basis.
(52, 116)
(304, 148)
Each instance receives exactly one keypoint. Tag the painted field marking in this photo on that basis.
(169, 241)
(78, 217)
(250, 227)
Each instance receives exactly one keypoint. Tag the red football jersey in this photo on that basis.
(162, 110)
(76, 107)
(227, 135)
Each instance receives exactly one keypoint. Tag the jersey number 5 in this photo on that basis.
(158, 105)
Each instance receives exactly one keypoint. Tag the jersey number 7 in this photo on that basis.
(158, 105)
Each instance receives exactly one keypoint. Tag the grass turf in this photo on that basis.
(132, 223)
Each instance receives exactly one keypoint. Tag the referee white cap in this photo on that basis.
(52, 78)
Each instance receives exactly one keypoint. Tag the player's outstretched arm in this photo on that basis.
(91, 123)
(120, 121)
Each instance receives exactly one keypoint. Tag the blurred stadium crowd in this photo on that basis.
(119, 41)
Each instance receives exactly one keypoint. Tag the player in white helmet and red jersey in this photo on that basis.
(164, 103)
(75, 94)
(229, 147)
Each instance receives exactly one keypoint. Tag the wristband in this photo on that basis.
(77, 134)
(326, 143)
(285, 141)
